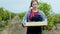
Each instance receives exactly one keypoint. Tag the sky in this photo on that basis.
(55, 4)
(18, 6)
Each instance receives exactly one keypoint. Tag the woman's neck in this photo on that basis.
(34, 10)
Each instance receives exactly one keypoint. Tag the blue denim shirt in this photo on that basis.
(28, 13)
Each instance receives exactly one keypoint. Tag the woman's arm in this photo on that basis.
(43, 15)
(25, 18)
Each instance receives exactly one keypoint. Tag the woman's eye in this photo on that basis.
(34, 4)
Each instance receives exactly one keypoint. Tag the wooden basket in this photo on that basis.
(44, 23)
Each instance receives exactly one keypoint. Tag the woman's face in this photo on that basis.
(34, 5)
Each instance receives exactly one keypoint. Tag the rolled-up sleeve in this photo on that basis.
(24, 18)
(43, 16)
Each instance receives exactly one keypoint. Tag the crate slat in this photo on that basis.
(35, 24)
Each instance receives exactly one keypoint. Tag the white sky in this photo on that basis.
(18, 6)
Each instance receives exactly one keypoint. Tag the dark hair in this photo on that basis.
(32, 2)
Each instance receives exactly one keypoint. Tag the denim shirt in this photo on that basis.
(28, 13)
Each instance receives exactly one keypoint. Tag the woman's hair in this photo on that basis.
(32, 2)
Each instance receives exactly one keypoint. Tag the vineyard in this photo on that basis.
(10, 23)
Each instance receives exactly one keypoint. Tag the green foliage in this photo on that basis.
(1, 29)
(5, 16)
(0, 18)
(4, 24)
(13, 15)
(21, 15)
(57, 18)
(1, 13)
(46, 8)
(51, 21)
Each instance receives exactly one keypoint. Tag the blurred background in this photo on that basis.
(13, 11)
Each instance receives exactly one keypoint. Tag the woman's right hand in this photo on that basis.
(24, 23)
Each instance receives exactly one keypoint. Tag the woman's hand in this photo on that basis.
(24, 23)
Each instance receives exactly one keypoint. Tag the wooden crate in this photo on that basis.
(44, 23)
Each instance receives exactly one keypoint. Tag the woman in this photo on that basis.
(34, 15)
